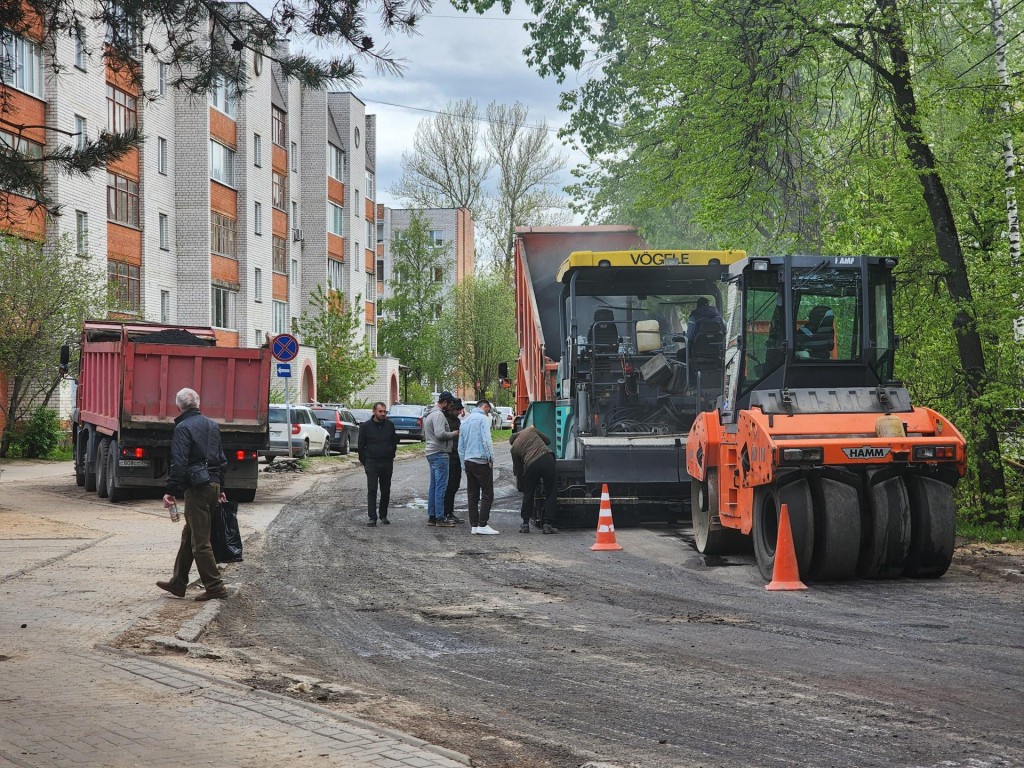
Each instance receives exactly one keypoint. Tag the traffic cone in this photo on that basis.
(605, 527)
(786, 573)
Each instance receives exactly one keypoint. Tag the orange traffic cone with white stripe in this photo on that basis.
(786, 572)
(605, 527)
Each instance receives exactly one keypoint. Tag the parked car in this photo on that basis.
(495, 416)
(307, 436)
(408, 421)
(362, 414)
(507, 416)
(342, 426)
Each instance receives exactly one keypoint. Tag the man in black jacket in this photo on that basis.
(377, 445)
(197, 472)
(452, 412)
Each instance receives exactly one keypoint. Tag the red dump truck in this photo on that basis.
(124, 405)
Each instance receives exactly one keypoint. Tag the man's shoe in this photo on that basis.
(549, 529)
(474, 529)
(372, 524)
(431, 521)
(442, 523)
(169, 586)
(454, 519)
(486, 530)
(385, 521)
(524, 528)
(217, 594)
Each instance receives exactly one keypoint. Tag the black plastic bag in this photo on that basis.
(224, 534)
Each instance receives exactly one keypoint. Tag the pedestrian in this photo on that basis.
(376, 446)
(439, 440)
(197, 473)
(452, 413)
(477, 454)
(533, 463)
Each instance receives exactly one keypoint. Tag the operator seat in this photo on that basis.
(817, 336)
(706, 351)
(603, 335)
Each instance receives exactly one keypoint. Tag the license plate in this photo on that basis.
(402, 431)
(133, 462)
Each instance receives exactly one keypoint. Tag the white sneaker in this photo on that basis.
(474, 529)
(487, 530)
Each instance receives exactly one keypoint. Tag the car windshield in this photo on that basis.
(405, 410)
(362, 414)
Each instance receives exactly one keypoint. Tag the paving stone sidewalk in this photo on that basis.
(83, 574)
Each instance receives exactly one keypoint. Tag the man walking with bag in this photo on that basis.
(477, 454)
(377, 446)
(197, 472)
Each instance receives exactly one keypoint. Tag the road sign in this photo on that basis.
(284, 347)
(284, 370)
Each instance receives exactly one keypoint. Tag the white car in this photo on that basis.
(307, 436)
(507, 416)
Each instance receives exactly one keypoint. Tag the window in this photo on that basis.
(222, 163)
(438, 274)
(257, 285)
(161, 78)
(335, 274)
(371, 288)
(81, 132)
(124, 280)
(279, 247)
(295, 272)
(165, 306)
(335, 219)
(280, 317)
(257, 150)
(257, 215)
(380, 231)
(295, 157)
(223, 97)
(335, 162)
(371, 232)
(81, 233)
(257, 338)
(165, 234)
(278, 134)
(277, 191)
(21, 64)
(295, 214)
(371, 186)
(122, 111)
(81, 57)
(222, 234)
(121, 30)
(122, 200)
(356, 200)
(380, 270)
(222, 307)
(357, 257)
(161, 155)
(437, 236)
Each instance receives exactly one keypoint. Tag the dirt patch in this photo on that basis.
(22, 526)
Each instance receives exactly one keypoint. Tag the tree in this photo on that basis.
(343, 365)
(410, 329)
(45, 296)
(205, 43)
(482, 319)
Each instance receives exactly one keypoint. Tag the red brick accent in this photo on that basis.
(22, 217)
(122, 77)
(278, 158)
(335, 191)
(380, 250)
(224, 269)
(380, 210)
(226, 338)
(371, 314)
(369, 261)
(223, 199)
(368, 209)
(279, 223)
(223, 128)
(127, 166)
(336, 246)
(24, 110)
(124, 244)
(279, 289)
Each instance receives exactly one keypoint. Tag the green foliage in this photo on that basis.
(343, 365)
(482, 319)
(39, 436)
(416, 393)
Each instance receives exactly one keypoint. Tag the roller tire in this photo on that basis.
(932, 527)
(101, 468)
(711, 538)
(768, 501)
(114, 493)
(886, 542)
(837, 528)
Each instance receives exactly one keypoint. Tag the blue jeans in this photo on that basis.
(438, 484)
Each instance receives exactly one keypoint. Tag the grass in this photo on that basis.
(988, 533)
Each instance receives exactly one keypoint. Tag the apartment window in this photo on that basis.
(81, 233)
(380, 231)
(222, 163)
(222, 307)
(380, 270)
(125, 282)
(222, 234)
(371, 186)
(81, 57)
(21, 64)
(81, 132)
(122, 111)
(257, 338)
(161, 155)
(371, 288)
(279, 248)
(295, 157)
(223, 98)
(335, 162)
(277, 191)
(335, 274)
(357, 256)
(257, 285)
(295, 272)
(438, 274)
(257, 150)
(370, 233)
(165, 306)
(280, 317)
(257, 215)
(437, 236)
(165, 233)
(122, 200)
(161, 78)
(122, 30)
(356, 200)
(278, 134)
(335, 219)
(295, 215)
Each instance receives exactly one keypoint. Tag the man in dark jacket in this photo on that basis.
(534, 463)
(197, 472)
(377, 445)
(452, 413)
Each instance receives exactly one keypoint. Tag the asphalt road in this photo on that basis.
(531, 650)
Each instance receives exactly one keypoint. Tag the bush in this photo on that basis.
(38, 437)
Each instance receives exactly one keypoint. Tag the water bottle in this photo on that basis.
(173, 510)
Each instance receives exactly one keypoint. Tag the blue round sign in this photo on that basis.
(284, 347)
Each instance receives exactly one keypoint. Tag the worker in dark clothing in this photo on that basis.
(452, 413)
(376, 446)
(197, 472)
(703, 311)
(533, 463)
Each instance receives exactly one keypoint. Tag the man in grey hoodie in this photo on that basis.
(439, 448)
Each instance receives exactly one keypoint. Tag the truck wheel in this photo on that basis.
(768, 501)
(711, 537)
(101, 468)
(887, 540)
(932, 527)
(345, 447)
(81, 451)
(836, 531)
(242, 495)
(114, 493)
(90, 477)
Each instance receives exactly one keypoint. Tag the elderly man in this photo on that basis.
(533, 464)
(197, 472)
(477, 455)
